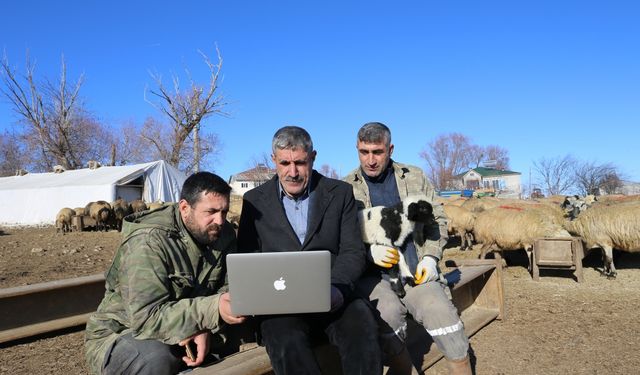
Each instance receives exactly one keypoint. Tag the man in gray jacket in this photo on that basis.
(166, 287)
(380, 181)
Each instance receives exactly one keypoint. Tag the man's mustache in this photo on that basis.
(293, 179)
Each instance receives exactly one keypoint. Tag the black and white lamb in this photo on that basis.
(391, 226)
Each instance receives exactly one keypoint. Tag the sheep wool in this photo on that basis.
(63, 220)
(513, 228)
(609, 227)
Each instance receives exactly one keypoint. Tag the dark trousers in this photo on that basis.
(131, 356)
(289, 340)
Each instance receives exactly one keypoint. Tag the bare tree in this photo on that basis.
(51, 113)
(11, 154)
(591, 177)
(185, 110)
(556, 174)
(611, 183)
(498, 156)
(128, 146)
(449, 155)
(329, 171)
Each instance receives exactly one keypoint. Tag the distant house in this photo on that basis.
(501, 182)
(247, 180)
(630, 188)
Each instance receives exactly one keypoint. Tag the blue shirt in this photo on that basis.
(297, 210)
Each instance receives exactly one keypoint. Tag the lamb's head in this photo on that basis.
(418, 209)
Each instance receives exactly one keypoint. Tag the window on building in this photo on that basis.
(244, 184)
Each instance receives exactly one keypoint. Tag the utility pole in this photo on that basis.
(530, 191)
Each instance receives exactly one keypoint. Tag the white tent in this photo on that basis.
(36, 198)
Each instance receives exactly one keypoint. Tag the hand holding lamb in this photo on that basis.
(384, 256)
(386, 229)
(427, 270)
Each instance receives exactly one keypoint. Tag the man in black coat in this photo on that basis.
(301, 210)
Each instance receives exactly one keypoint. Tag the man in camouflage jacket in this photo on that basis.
(380, 181)
(166, 287)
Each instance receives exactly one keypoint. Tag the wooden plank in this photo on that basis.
(254, 361)
(45, 307)
(44, 327)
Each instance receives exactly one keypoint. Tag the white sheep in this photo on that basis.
(138, 205)
(120, 209)
(391, 226)
(63, 220)
(101, 212)
(514, 228)
(609, 227)
(460, 223)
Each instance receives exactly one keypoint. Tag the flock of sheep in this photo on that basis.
(610, 222)
(106, 215)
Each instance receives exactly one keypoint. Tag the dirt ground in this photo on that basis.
(553, 326)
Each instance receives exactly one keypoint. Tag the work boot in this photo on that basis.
(400, 364)
(460, 366)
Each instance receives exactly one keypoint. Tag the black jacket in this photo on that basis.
(332, 225)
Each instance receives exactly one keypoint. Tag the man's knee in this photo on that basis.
(132, 356)
(431, 307)
(281, 335)
(358, 320)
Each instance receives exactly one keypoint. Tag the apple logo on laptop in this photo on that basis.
(279, 284)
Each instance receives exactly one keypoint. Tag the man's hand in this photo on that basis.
(201, 341)
(337, 299)
(224, 307)
(384, 256)
(427, 270)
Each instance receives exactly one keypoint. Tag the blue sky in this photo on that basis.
(539, 78)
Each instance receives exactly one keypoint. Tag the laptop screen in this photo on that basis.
(279, 282)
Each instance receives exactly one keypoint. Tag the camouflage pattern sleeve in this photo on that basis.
(156, 299)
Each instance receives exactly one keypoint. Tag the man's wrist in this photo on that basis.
(431, 256)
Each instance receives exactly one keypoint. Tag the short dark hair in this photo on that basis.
(374, 132)
(291, 137)
(203, 182)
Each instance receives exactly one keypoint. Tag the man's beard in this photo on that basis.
(203, 236)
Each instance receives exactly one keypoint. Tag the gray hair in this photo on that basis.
(291, 137)
(375, 132)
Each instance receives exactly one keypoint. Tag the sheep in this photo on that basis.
(120, 209)
(63, 220)
(79, 211)
(101, 212)
(608, 227)
(513, 228)
(391, 226)
(155, 205)
(475, 204)
(460, 222)
(138, 205)
(573, 205)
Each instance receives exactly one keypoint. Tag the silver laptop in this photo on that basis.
(279, 282)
